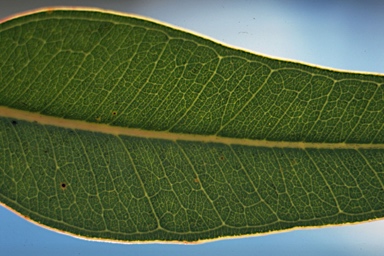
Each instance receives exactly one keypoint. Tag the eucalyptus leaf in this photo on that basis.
(119, 128)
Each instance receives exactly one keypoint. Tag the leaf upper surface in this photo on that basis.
(141, 132)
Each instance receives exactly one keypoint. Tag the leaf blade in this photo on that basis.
(289, 98)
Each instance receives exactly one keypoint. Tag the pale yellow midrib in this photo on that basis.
(116, 130)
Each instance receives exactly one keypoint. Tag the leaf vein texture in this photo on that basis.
(119, 128)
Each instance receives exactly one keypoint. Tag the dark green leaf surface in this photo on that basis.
(236, 143)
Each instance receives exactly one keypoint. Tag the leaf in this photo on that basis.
(119, 128)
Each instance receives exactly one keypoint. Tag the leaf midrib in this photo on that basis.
(165, 135)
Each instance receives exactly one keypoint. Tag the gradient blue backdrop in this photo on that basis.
(338, 34)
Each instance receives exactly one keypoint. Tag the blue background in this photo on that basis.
(346, 35)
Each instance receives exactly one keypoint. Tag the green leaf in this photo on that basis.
(119, 128)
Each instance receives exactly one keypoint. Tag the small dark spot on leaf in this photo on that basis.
(105, 27)
(222, 158)
(114, 113)
(14, 122)
(63, 185)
